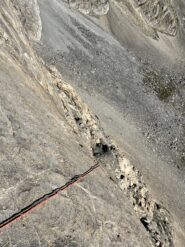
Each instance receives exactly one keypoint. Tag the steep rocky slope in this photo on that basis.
(43, 144)
(140, 104)
(48, 135)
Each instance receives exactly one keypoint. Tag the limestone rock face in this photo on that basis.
(29, 14)
(48, 134)
(93, 7)
(160, 14)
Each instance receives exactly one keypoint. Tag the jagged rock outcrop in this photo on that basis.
(92, 7)
(160, 14)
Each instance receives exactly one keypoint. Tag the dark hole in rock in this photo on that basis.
(144, 221)
(112, 147)
(100, 149)
(105, 148)
(122, 176)
(118, 236)
(158, 207)
(78, 120)
(134, 186)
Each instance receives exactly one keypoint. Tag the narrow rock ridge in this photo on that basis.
(154, 217)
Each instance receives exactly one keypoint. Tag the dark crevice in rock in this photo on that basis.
(100, 149)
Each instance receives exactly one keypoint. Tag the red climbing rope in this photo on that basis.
(40, 201)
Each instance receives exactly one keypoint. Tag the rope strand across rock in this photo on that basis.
(44, 199)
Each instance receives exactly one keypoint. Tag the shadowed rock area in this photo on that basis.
(54, 56)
